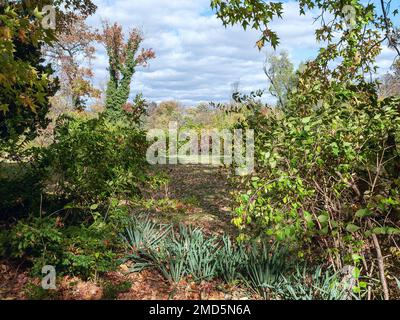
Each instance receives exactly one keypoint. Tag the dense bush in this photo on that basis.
(69, 196)
(35, 240)
(85, 250)
(20, 188)
(327, 176)
(95, 159)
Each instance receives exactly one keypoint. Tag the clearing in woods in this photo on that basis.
(197, 195)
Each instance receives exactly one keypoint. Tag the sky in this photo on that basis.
(197, 58)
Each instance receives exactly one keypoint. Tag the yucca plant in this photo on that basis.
(230, 260)
(306, 284)
(201, 262)
(141, 238)
(174, 254)
(187, 252)
(143, 234)
(169, 258)
(264, 268)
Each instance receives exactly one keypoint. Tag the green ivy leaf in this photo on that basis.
(363, 213)
(352, 228)
(323, 218)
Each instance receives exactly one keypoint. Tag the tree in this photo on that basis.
(25, 79)
(354, 35)
(328, 164)
(84, 7)
(390, 85)
(70, 10)
(123, 60)
(280, 73)
(71, 56)
(164, 113)
(25, 84)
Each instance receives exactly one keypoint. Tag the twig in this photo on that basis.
(381, 265)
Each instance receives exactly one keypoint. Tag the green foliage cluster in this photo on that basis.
(328, 174)
(85, 249)
(20, 188)
(25, 83)
(328, 160)
(187, 252)
(93, 160)
(75, 185)
(92, 165)
(255, 14)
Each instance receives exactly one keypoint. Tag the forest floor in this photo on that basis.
(195, 195)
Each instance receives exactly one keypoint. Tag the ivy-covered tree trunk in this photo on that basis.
(118, 91)
(123, 60)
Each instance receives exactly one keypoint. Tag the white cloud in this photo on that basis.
(197, 59)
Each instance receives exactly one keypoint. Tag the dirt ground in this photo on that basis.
(195, 195)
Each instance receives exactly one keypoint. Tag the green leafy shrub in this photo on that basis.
(95, 159)
(36, 240)
(21, 185)
(325, 173)
(84, 250)
(329, 161)
(88, 251)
